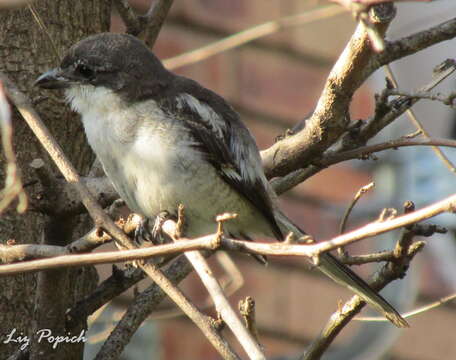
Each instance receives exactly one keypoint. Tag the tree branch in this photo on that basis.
(100, 218)
(13, 184)
(67, 260)
(154, 20)
(210, 242)
(346, 313)
(444, 99)
(147, 26)
(345, 78)
(330, 118)
(414, 119)
(138, 310)
(413, 43)
(222, 305)
(129, 17)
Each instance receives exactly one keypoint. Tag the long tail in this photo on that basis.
(343, 275)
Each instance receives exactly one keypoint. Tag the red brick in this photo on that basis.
(234, 15)
(338, 183)
(217, 73)
(310, 218)
(363, 103)
(264, 133)
(273, 84)
(324, 38)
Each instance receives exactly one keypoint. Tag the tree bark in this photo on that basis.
(32, 302)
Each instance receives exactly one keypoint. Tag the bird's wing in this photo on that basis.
(226, 143)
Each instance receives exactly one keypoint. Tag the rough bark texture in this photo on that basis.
(32, 302)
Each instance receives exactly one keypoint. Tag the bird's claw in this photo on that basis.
(142, 232)
(157, 233)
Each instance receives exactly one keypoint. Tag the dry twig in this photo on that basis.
(101, 219)
(311, 251)
(347, 213)
(409, 314)
(348, 311)
(249, 35)
(148, 25)
(413, 118)
(345, 150)
(327, 123)
(221, 303)
(13, 184)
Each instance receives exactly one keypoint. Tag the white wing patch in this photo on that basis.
(245, 157)
(205, 111)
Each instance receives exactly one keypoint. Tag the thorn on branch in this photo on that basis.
(290, 239)
(306, 239)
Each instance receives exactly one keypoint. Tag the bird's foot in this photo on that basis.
(143, 233)
(160, 219)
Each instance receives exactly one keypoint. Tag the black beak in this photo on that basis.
(53, 79)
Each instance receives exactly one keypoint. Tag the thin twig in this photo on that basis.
(52, 261)
(250, 34)
(141, 306)
(100, 218)
(113, 286)
(285, 183)
(380, 256)
(155, 18)
(445, 99)
(221, 303)
(311, 251)
(348, 311)
(13, 184)
(347, 213)
(128, 15)
(354, 66)
(413, 118)
(369, 129)
(231, 285)
(44, 30)
(358, 196)
(364, 151)
(420, 310)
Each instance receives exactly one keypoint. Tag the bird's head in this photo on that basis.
(116, 62)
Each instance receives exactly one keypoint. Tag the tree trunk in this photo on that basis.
(29, 303)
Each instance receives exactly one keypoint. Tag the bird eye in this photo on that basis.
(84, 71)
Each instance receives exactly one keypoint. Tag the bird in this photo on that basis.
(165, 140)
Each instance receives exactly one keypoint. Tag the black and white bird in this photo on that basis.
(165, 140)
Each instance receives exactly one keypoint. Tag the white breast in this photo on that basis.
(149, 158)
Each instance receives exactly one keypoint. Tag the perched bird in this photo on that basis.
(165, 140)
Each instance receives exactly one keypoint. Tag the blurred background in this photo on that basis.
(273, 83)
